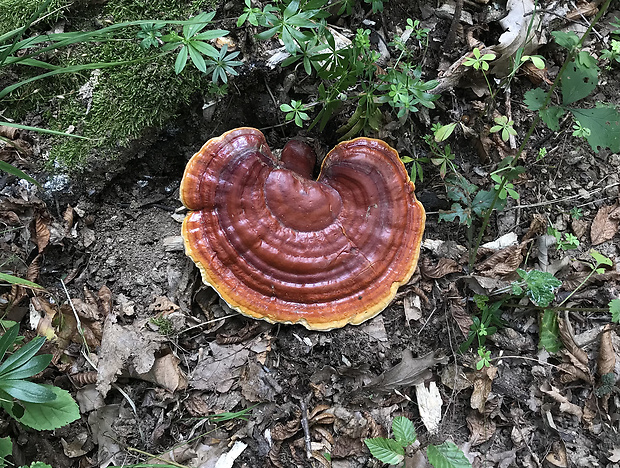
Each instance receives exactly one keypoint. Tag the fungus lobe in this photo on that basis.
(278, 245)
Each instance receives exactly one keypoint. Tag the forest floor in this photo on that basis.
(184, 378)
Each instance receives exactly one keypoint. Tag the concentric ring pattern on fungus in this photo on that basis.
(280, 246)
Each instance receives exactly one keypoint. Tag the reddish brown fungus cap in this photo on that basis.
(280, 246)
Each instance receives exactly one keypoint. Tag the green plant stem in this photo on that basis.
(569, 57)
(157, 457)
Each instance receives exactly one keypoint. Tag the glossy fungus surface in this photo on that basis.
(278, 245)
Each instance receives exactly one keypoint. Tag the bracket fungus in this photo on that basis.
(280, 246)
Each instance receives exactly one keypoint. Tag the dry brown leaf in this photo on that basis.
(67, 216)
(583, 9)
(481, 428)
(606, 361)
(166, 373)
(444, 267)
(32, 273)
(483, 381)
(456, 306)
(565, 405)
(104, 299)
(9, 132)
(162, 305)
(408, 372)
(503, 262)
(42, 233)
(537, 227)
(605, 224)
(569, 343)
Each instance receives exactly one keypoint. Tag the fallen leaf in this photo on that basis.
(606, 361)
(517, 26)
(444, 267)
(453, 377)
(614, 455)
(557, 456)
(568, 341)
(123, 346)
(565, 405)
(227, 459)
(481, 428)
(502, 262)
(42, 233)
(166, 373)
(483, 381)
(410, 371)
(220, 370)
(605, 224)
(257, 385)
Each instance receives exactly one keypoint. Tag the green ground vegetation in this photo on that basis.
(111, 106)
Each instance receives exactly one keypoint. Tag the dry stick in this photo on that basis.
(306, 427)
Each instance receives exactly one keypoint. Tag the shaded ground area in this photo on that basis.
(184, 378)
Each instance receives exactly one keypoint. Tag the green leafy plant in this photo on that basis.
(42, 407)
(193, 43)
(565, 242)
(538, 286)
(392, 451)
(483, 326)
(600, 125)
(295, 111)
(576, 213)
(505, 126)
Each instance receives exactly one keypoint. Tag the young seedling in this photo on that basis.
(392, 451)
(296, 111)
(505, 126)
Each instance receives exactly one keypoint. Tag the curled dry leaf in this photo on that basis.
(567, 339)
(68, 216)
(456, 306)
(606, 361)
(483, 381)
(502, 262)
(409, 371)
(166, 373)
(605, 224)
(42, 232)
(444, 267)
(565, 405)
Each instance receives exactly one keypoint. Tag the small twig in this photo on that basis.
(306, 427)
(85, 350)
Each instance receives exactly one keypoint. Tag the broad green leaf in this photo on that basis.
(447, 455)
(26, 391)
(30, 368)
(578, 82)
(48, 416)
(404, 431)
(549, 332)
(386, 450)
(6, 449)
(600, 259)
(551, 116)
(604, 125)
(456, 210)
(567, 40)
(483, 201)
(17, 280)
(444, 132)
(21, 356)
(7, 340)
(540, 286)
(614, 310)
